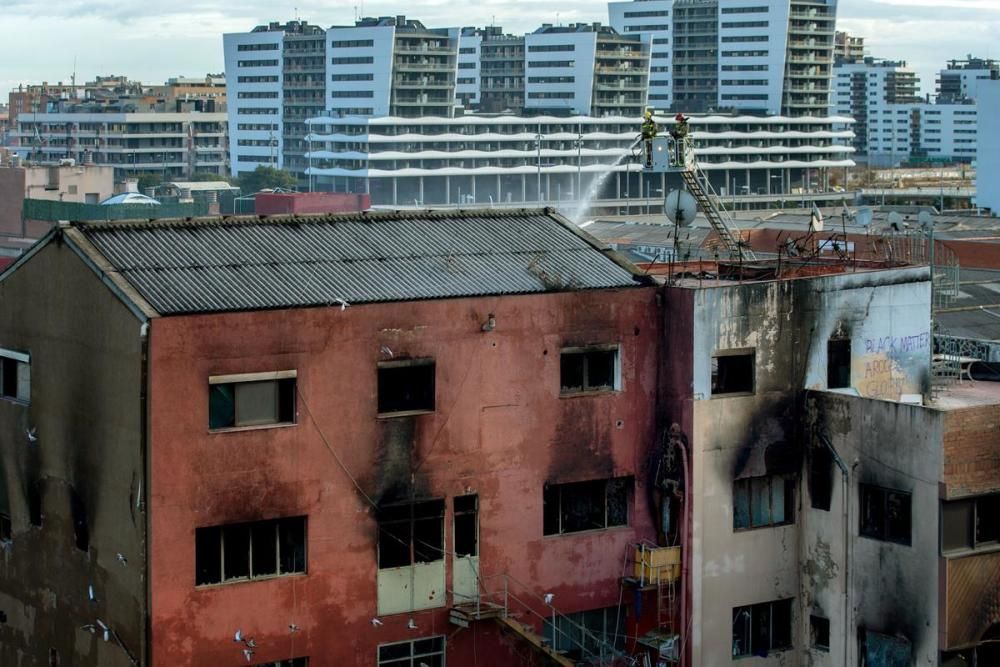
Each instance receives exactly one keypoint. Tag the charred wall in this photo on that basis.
(72, 469)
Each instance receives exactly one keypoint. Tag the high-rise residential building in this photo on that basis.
(848, 48)
(960, 80)
(501, 72)
(772, 56)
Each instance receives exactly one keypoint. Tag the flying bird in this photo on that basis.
(248, 654)
(376, 622)
(411, 625)
(121, 559)
(549, 597)
(32, 434)
(238, 637)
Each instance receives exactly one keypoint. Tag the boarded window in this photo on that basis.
(410, 533)
(819, 632)
(467, 525)
(733, 373)
(885, 514)
(256, 402)
(970, 523)
(763, 501)
(580, 506)
(15, 376)
(820, 477)
(838, 364)
(428, 652)
(588, 369)
(762, 628)
(406, 386)
(252, 550)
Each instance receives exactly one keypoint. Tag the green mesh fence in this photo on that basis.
(54, 211)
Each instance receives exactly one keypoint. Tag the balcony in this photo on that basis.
(404, 66)
(423, 48)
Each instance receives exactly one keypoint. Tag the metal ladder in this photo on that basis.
(665, 601)
(720, 220)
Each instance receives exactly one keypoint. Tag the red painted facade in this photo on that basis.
(500, 429)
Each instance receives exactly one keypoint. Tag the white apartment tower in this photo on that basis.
(760, 56)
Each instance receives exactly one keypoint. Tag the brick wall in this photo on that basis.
(972, 451)
(11, 196)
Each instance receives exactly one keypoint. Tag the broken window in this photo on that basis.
(406, 386)
(838, 364)
(885, 514)
(761, 628)
(878, 650)
(6, 534)
(819, 632)
(252, 550)
(254, 399)
(588, 369)
(579, 506)
(410, 533)
(15, 376)
(582, 635)
(820, 477)
(428, 652)
(970, 523)
(467, 525)
(733, 372)
(763, 501)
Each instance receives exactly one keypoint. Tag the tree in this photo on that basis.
(265, 178)
(149, 180)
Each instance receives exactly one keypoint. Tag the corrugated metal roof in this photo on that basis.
(215, 265)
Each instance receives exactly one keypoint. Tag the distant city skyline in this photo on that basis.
(152, 42)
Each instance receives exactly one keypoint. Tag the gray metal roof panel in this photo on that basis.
(215, 265)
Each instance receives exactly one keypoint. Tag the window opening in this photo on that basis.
(243, 551)
(406, 386)
(885, 514)
(81, 531)
(588, 370)
(763, 501)
(256, 402)
(733, 373)
(819, 632)
(838, 364)
(581, 635)
(6, 533)
(466, 525)
(970, 523)
(761, 628)
(15, 376)
(820, 478)
(294, 662)
(428, 652)
(410, 533)
(580, 506)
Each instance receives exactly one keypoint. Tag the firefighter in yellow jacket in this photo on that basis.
(649, 130)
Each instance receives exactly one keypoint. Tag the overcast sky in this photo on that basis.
(153, 40)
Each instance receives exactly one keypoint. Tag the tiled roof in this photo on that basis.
(250, 263)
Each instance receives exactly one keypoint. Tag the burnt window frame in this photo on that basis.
(816, 629)
(412, 363)
(15, 368)
(206, 535)
(626, 486)
(789, 484)
(420, 648)
(760, 609)
(585, 388)
(460, 516)
(974, 522)
(833, 382)
(867, 526)
(406, 515)
(286, 397)
(714, 371)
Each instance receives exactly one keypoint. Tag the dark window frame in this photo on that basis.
(728, 357)
(978, 522)
(224, 399)
(430, 650)
(752, 617)
(819, 627)
(873, 499)
(15, 376)
(423, 403)
(838, 375)
(616, 509)
(207, 536)
(588, 356)
(465, 522)
(398, 527)
(752, 485)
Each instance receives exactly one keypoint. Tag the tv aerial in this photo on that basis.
(680, 207)
(864, 216)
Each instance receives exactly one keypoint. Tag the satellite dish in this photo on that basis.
(925, 220)
(895, 221)
(864, 216)
(680, 207)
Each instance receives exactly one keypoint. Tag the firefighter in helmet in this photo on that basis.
(679, 132)
(649, 131)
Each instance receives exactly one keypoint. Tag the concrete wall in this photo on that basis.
(892, 587)
(86, 467)
(500, 429)
(885, 314)
(988, 146)
(11, 198)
